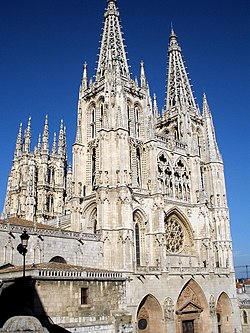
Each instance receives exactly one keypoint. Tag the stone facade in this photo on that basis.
(243, 291)
(148, 185)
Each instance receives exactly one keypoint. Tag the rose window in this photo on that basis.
(174, 236)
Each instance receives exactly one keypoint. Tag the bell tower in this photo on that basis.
(114, 119)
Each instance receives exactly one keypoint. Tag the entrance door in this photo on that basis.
(188, 326)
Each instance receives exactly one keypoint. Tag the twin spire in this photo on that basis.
(112, 55)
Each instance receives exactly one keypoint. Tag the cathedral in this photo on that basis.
(143, 206)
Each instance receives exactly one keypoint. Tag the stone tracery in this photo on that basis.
(174, 235)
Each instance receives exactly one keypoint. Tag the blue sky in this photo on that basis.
(45, 43)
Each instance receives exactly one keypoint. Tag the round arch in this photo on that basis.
(58, 259)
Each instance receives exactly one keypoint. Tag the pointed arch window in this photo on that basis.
(51, 176)
(178, 234)
(93, 168)
(165, 175)
(174, 234)
(93, 122)
(50, 203)
(137, 245)
(93, 221)
(128, 115)
(138, 166)
(181, 181)
(245, 319)
(202, 177)
(101, 113)
(199, 144)
(137, 121)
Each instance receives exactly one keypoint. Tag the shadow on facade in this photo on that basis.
(20, 298)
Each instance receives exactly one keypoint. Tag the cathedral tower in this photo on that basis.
(152, 186)
(37, 182)
(149, 186)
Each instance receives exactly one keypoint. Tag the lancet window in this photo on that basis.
(165, 175)
(245, 319)
(128, 115)
(139, 238)
(101, 113)
(137, 245)
(137, 121)
(93, 221)
(49, 203)
(181, 181)
(51, 176)
(138, 166)
(93, 122)
(93, 161)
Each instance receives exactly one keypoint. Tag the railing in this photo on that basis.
(245, 302)
(60, 222)
(69, 274)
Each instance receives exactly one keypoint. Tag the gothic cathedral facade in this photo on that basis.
(149, 183)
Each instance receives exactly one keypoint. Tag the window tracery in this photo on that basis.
(165, 175)
(174, 234)
(181, 181)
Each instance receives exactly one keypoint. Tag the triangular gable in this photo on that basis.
(189, 307)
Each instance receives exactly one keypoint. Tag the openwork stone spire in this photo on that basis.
(18, 149)
(27, 137)
(212, 149)
(179, 93)
(112, 51)
(45, 137)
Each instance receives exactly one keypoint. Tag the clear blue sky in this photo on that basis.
(44, 44)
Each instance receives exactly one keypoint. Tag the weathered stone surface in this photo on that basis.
(23, 324)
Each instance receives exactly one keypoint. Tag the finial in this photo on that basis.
(155, 106)
(54, 144)
(27, 137)
(61, 139)
(19, 141)
(39, 141)
(204, 96)
(45, 136)
(143, 76)
(84, 70)
(172, 33)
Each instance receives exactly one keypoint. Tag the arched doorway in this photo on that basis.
(224, 314)
(150, 316)
(192, 310)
